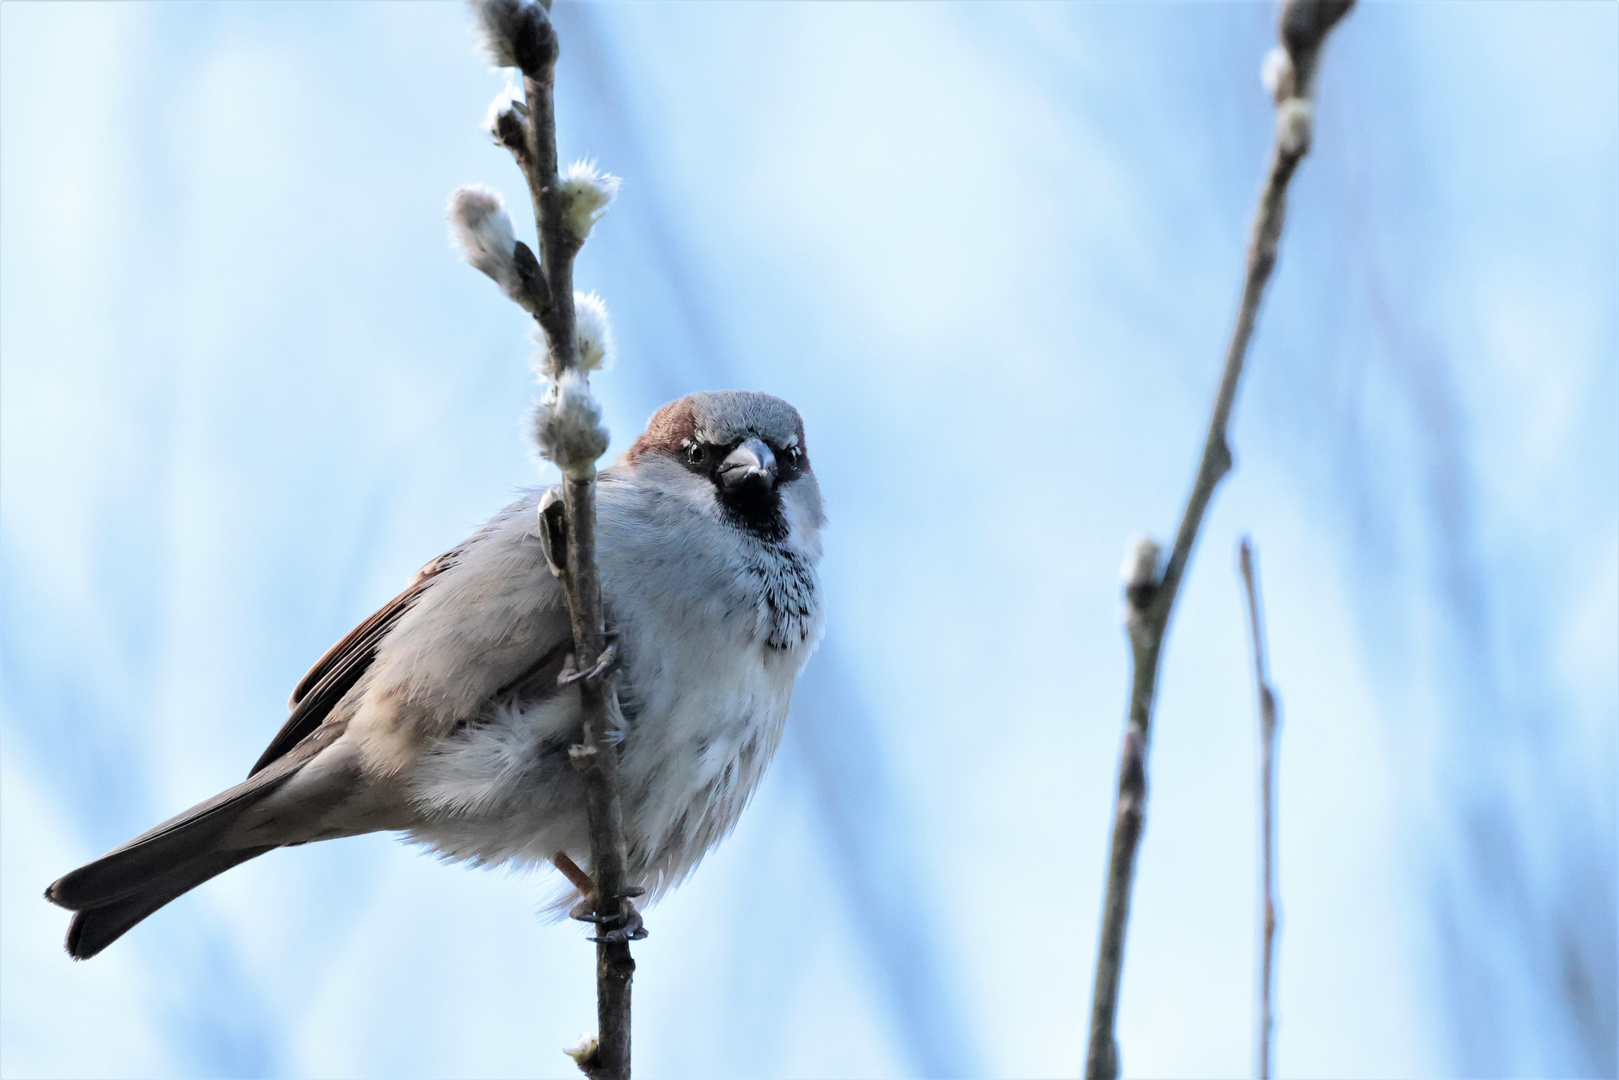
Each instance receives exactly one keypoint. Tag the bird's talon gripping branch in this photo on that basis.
(585, 911)
(604, 664)
(625, 925)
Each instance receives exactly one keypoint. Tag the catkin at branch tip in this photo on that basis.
(498, 25)
(516, 34)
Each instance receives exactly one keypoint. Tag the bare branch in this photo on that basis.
(1267, 817)
(1303, 29)
(519, 33)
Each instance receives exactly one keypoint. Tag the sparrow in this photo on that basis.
(442, 716)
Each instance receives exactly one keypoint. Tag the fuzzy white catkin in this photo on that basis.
(504, 102)
(567, 423)
(498, 25)
(1276, 73)
(482, 230)
(1140, 563)
(1138, 574)
(588, 192)
(1295, 119)
(583, 1050)
(592, 333)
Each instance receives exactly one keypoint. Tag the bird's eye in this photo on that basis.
(696, 453)
(792, 455)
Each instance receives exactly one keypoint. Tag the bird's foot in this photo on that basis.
(608, 659)
(626, 925)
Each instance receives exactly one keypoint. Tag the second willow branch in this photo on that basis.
(1150, 594)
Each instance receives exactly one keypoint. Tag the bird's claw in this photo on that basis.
(633, 930)
(604, 663)
(626, 925)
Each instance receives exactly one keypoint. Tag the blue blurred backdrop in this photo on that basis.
(991, 252)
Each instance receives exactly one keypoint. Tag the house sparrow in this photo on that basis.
(442, 714)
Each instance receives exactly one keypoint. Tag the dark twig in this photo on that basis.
(1150, 596)
(519, 33)
(1267, 817)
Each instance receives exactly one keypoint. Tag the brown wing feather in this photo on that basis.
(368, 630)
(335, 674)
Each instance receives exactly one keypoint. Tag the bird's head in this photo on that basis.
(747, 448)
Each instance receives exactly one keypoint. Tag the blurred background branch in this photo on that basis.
(1150, 597)
(1266, 697)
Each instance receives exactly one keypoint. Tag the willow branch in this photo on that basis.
(519, 34)
(1267, 817)
(1150, 595)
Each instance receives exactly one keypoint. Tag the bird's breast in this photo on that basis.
(706, 686)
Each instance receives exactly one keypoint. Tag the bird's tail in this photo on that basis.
(130, 882)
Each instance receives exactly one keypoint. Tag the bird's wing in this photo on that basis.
(336, 673)
(485, 620)
(489, 627)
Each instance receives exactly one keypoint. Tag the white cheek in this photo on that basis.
(801, 506)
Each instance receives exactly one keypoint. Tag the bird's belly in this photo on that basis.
(502, 788)
(695, 753)
(695, 747)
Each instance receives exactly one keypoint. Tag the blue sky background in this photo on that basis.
(992, 253)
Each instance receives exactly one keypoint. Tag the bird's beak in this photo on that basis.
(750, 467)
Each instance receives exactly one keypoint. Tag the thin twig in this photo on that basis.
(519, 33)
(1150, 598)
(1267, 816)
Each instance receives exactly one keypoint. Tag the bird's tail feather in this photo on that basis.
(121, 888)
(94, 928)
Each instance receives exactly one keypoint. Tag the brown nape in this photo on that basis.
(666, 432)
